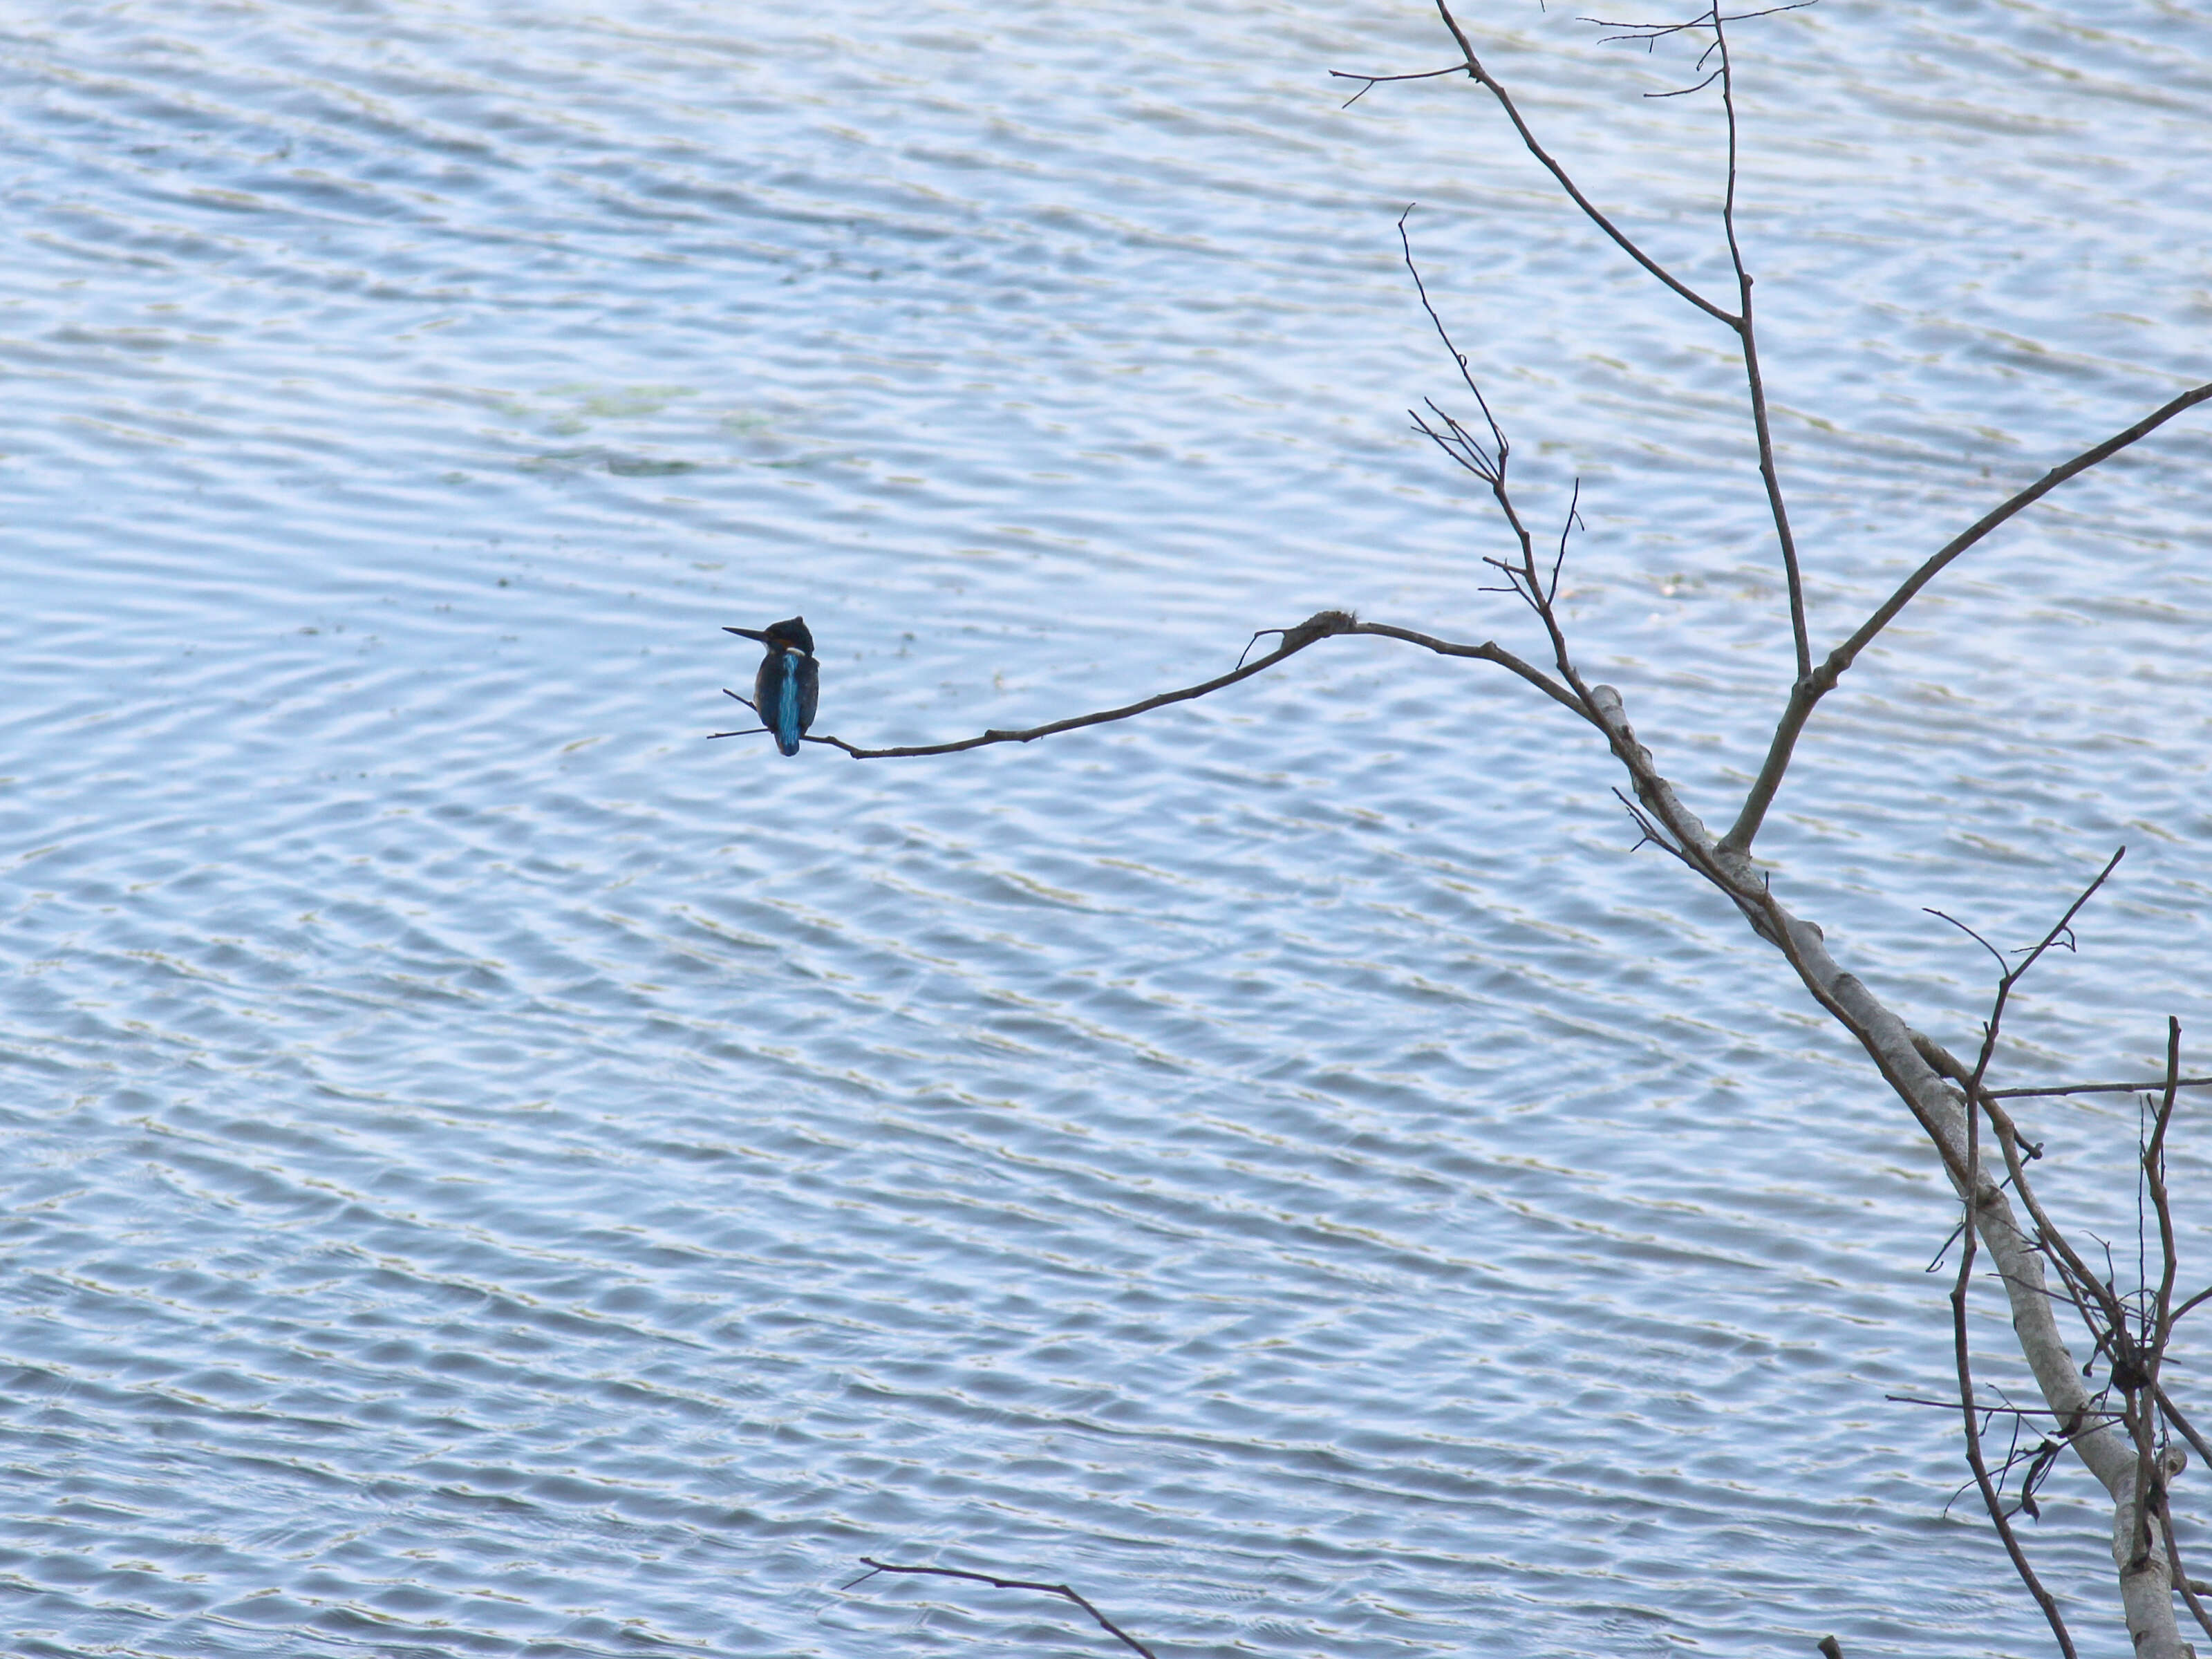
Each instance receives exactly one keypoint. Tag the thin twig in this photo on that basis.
(1996, 1411)
(1572, 522)
(2102, 1088)
(1490, 465)
(1748, 329)
(2009, 976)
(1375, 80)
(1649, 831)
(2039, 1461)
(750, 730)
(1105, 1623)
(1660, 31)
(1684, 92)
(1503, 450)
(2065, 923)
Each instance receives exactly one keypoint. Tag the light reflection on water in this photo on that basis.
(493, 1173)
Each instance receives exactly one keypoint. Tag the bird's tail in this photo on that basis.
(786, 721)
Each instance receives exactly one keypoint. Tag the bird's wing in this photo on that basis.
(764, 689)
(810, 691)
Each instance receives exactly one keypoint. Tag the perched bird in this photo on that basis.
(789, 683)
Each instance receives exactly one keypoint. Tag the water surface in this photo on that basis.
(491, 1172)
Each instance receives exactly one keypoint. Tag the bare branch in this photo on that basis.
(2065, 922)
(1375, 80)
(750, 729)
(1946, 915)
(2035, 492)
(2155, 1154)
(1990, 1411)
(1522, 578)
(1322, 625)
(1572, 522)
(2133, 1363)
(1809, 691)
(1319, 626)
(2102, 1088)
(1684, 92)
(1503, 450)
(1475, 70)
(1487, 653)
(1748, 330)
(1659, 31)
(1910, 1063)
(1105, 1623)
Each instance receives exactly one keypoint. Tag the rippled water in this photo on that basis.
(489, 1172)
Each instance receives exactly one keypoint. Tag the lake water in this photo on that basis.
(489, 1172)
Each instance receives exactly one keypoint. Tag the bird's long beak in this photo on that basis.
(750, 633)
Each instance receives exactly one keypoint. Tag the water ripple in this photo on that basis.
(491, 1173)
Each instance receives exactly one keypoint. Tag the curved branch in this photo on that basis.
(1375, 80)
(1485, 652)
(1105, 1623)
(1505, 102)
(1809, 691)
(1322, 625)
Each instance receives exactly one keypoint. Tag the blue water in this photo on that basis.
(491, 1172)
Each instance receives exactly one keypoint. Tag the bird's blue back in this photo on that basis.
(786, 690)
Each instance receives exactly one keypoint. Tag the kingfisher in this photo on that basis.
(789, 683)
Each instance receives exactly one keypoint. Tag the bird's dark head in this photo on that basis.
(791, 635)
